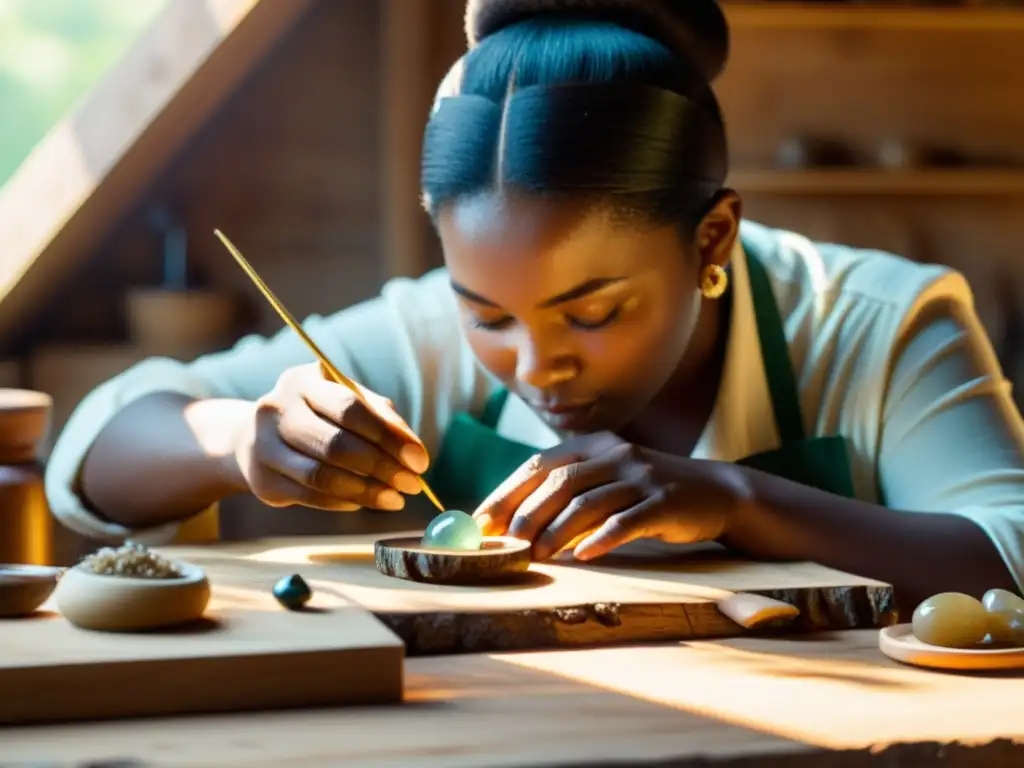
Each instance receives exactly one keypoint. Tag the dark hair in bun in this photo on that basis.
(604, 100)
(692, 29)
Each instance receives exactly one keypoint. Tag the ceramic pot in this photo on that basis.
(26, 526)
(24, 423)
(126, 604)
(180, 324)
(23, 588)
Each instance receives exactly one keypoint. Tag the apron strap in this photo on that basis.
(778, 367)
(493, 408)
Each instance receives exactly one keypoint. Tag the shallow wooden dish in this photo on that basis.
(126, 604)
(898, 643)
(500, 558)
(23, 588)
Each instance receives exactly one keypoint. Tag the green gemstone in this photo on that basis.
(292, 592)
(453, 530)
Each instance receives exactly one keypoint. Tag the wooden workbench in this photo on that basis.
(829, 701)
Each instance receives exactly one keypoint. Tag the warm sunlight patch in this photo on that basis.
(822, 701)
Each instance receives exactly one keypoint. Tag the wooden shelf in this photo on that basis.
(772, 15)
(926, 182)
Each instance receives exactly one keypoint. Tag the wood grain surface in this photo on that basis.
(248, 653)
(648, 593)
(830, 700)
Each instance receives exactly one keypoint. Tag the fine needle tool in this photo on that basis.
(327, 365)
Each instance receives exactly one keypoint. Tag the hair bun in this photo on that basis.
(693, 29)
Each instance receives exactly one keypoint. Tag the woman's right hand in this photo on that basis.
(312, 443)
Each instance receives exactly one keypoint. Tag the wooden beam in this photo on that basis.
(824, 16)
(406, 94)
(93, 166)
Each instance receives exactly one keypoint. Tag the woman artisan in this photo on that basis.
(610, 353)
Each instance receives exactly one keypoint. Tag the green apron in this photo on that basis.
(474, 459)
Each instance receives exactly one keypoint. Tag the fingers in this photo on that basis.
(308, 433)
(550, 479)
(319, 444)
(495, 513)
(314, 482)
(412, 452)
(640, 521)
(652, 518)
(279, 491)
(557, 491)
(582, 516)
(382, 426)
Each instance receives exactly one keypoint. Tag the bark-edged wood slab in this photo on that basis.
(646, 592)
(500, 558)
(612, 623)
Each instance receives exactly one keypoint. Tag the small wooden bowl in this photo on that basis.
(23, 588)
(898, 643)
(127, 604)
(499, 558)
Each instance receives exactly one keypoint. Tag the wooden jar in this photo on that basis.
(26, 526)
(181, 324)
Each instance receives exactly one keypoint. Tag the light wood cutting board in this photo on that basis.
(643, 594)
(251, 654)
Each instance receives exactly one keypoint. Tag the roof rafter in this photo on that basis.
(92, 167)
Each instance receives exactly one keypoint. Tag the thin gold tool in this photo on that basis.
(328, 366)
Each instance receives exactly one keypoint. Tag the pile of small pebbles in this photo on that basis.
(131, 560)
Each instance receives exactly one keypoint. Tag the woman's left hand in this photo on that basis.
(599, 492)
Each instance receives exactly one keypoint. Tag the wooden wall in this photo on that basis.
(288, 169)
(942, 78)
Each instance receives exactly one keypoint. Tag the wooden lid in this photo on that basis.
(19, 400)
(24, 421)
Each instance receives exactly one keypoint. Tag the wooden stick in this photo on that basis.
(328, 366)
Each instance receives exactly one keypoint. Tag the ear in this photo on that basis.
(717, 232)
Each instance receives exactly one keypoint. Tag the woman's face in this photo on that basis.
(579, 314)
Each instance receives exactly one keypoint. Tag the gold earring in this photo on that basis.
(713, 281)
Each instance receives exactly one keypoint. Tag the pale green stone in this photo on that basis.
(453, 530)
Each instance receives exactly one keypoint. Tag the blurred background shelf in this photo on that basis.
(857, 181)
(755, 14)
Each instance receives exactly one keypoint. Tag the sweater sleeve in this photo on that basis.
(953, 439)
